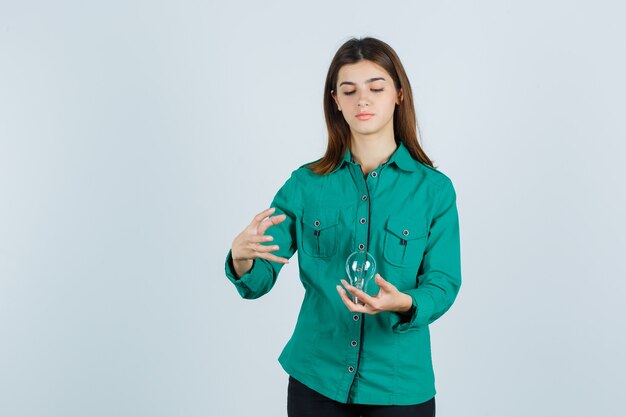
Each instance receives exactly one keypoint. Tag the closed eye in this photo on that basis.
(376, 90)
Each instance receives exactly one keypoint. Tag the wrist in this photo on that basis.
(241, 266)
(405, 303)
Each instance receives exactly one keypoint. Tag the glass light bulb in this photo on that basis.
(361, 268)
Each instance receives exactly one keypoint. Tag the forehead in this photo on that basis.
(361, 71)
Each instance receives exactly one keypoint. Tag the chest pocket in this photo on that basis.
(405, 240)
(319, 232)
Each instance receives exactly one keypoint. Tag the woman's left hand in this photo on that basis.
(387, 299)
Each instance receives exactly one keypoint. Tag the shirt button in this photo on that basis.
(363, 220)
(364, 197)
(361, 246)
(355, 317)
(350, 368)
(353, 343)
(374, 174)
(316, 223)
(405, 232)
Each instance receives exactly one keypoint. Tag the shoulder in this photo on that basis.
(435, 176)
(300, 176)
(303, 173)
(440, 182)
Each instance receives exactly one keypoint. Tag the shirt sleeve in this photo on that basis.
(260, 279)
(439, 275)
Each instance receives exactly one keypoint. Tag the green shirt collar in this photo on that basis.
(401, 157)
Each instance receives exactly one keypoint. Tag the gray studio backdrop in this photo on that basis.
(137, 139)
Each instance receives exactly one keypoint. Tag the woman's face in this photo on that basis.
(367, 98)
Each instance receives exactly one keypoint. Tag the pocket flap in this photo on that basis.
(320, 219)
(407, 228)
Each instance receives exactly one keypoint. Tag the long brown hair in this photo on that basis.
(405, 126)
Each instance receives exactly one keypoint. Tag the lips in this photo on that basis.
(364, 116)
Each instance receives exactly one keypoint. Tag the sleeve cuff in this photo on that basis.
(241, 282)
(417, 316)
(253, 283)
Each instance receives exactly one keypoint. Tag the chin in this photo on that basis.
(368, 131)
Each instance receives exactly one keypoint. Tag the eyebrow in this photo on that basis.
(367, 81)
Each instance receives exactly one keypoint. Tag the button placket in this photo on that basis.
(354, 336)
(371, 181)
(362, 211)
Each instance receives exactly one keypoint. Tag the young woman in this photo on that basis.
(374, 190)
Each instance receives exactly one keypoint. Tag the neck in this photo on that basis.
(371, 152)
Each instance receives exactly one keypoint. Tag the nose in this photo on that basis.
(363, 100)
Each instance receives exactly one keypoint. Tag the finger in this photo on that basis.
(270, 221)
(273, 258)
(266, 248)
(260, 238)
(357, 308)
(256, 220)
(363, 296)
(382, 283)
(352, 306)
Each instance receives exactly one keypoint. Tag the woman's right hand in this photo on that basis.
(247, 245)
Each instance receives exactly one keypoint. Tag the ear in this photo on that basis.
(400, 97)
(332, 93)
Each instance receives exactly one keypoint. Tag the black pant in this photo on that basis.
(302, 401)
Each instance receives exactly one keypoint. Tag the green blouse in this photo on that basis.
(404, 213)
